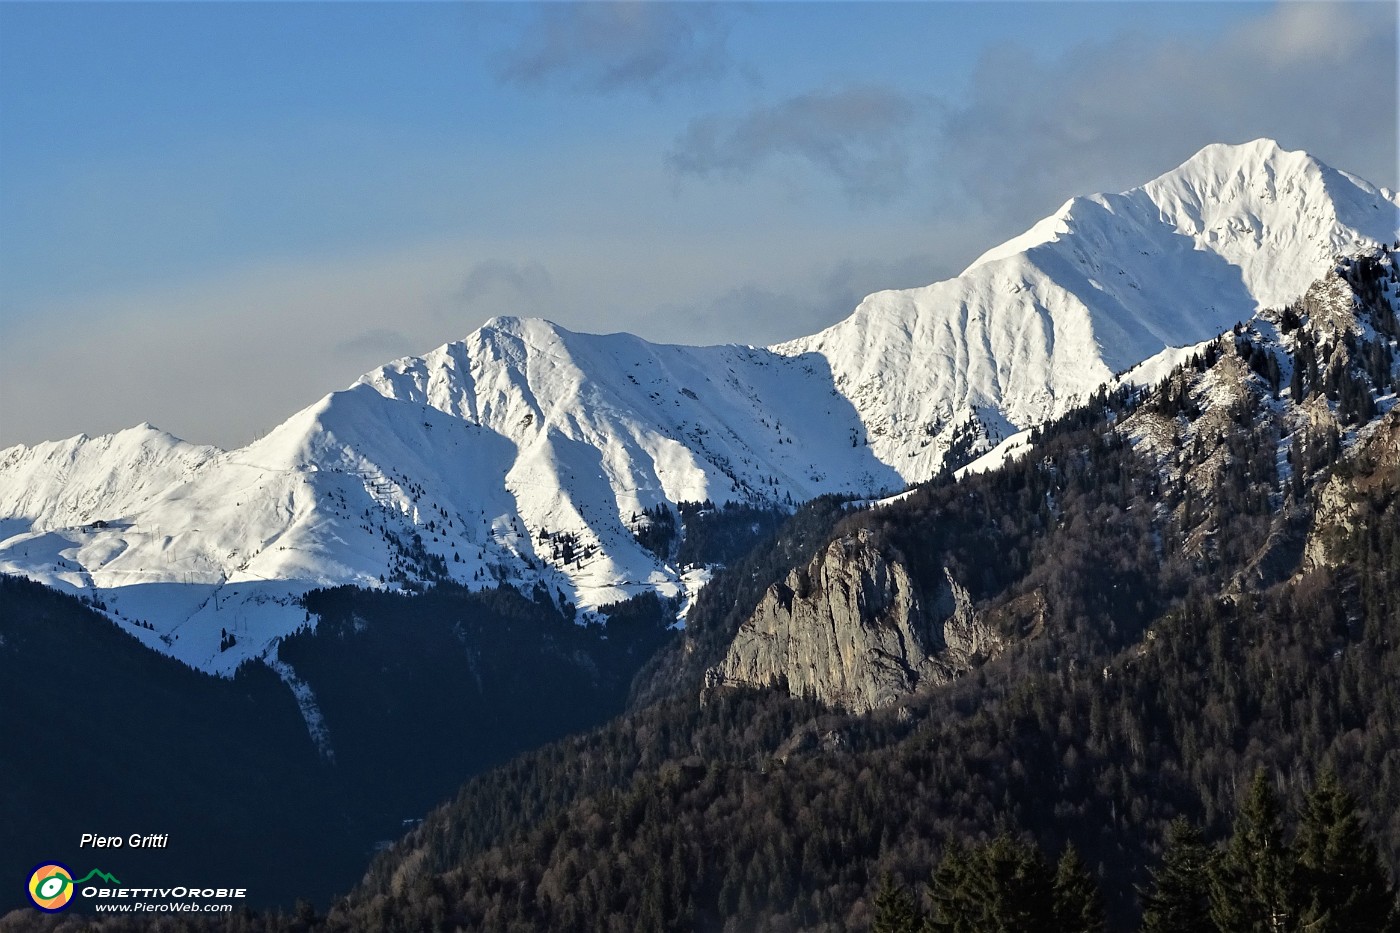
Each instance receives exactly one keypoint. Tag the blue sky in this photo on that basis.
(211, 214)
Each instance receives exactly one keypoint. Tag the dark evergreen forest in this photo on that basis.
(416, 693)
(1195, 725)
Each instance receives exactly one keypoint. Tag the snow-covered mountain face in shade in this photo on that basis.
(528, 454)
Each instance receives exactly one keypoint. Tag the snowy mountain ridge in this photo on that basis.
(1033, 326)
(528, 454)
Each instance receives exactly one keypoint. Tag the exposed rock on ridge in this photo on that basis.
(1375, 463)
(850, 629)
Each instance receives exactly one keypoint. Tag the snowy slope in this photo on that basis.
(527, 453)
(70, 482)
(1036, 324)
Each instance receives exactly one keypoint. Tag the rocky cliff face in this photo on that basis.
(1372, 477)
(851, 629)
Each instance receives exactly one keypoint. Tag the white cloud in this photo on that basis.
(1315, 76)
(604, 47)
(863, 136)
(1031, 133)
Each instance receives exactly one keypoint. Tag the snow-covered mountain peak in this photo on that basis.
(1104, 283)
(86, 479)
(1209, 185)
(526, 453)
(1230, 192)
(1223, 178)
(1280, 217)
(1220, 164)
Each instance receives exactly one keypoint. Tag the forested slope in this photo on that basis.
(1195, 585)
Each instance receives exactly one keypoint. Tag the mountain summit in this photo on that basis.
(1103, 284)
(528, 454)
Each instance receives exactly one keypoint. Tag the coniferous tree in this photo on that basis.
(1251, 885)
(1342, 886)
(1079, 906)
(948, 890)
(1179, 899)
(1004, 886)
(894, 909)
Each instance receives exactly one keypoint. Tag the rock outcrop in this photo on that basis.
(1373, 473)
(851, 629)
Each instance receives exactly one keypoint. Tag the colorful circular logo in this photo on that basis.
(51, 886)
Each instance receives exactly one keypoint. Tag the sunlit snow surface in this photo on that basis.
(495, 449)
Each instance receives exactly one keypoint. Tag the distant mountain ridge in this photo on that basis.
(1108, 281)
(529, 454)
